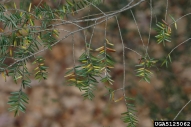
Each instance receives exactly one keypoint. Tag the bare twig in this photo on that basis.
(134, 51)
(166, 9)
(179, 45)
(151, 10)
(137, 28)
(124, 63)
(181, 110)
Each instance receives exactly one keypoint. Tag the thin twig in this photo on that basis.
(137, 27)
(39, 3)
(108, 16)
(181, 110)
(96, 7)
(180, 18)
(166, 9)
(105, 44)
(124, 63)
(134, 51)
(151, 10)
(179, 45)
(92, 34)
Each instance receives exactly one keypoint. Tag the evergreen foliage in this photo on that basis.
(85, 76)
(22, 38)
(142, 71)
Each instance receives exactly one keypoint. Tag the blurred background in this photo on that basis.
(54, 104)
